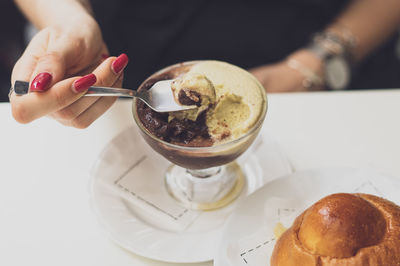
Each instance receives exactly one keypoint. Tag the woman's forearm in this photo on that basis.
(43, 13)
(370, 21)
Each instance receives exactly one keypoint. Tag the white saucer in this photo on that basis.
(248, 237)
(143, 234)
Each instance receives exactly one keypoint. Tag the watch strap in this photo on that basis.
(329, 47)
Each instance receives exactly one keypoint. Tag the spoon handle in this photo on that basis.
(22, 87)
(107, 91)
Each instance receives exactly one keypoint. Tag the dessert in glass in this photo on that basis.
(203, 142)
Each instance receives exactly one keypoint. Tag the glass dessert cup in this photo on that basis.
(200, 178)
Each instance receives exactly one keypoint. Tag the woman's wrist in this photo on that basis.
(78, 16)
(310, 66)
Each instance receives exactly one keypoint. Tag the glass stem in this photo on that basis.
(204, 173)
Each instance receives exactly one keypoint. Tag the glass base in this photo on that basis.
(205, 189)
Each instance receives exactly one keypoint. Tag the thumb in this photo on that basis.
(50, 69)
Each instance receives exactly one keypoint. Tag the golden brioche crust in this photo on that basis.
(383, 249)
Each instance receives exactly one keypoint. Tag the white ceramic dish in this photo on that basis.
(137, 231)
(248, 237)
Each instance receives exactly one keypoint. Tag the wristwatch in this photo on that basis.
(334, 52)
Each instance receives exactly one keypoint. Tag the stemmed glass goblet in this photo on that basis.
(200, 178)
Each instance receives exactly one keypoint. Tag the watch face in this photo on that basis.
(337, 73)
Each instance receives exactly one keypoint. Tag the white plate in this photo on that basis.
(248, 237)
(137, 231)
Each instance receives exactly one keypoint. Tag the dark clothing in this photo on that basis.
(247, 33)
(11, 45)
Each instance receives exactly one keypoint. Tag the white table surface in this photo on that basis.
(45, 218)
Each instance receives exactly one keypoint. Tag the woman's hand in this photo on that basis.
(55, 54)
(279, 77)
(64, 101)
(61, 51)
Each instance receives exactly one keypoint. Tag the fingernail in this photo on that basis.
(84, 83)
(105, 56)
(120, 63)
(41, 82)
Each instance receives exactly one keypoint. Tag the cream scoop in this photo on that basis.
(192, 89)
(231, 96)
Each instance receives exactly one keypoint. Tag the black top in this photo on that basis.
(247, 33)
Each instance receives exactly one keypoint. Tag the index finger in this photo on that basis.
(28, 107)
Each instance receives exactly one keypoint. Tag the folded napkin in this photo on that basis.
(256, 247)
(132, 170)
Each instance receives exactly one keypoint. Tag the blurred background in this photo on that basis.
(380, 70)
(12, 30)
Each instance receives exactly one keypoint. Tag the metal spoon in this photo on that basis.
(159, 97)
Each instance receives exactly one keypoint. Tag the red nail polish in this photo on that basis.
(104, 56)
(41, 82)
(84, 82)
(120, 63)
